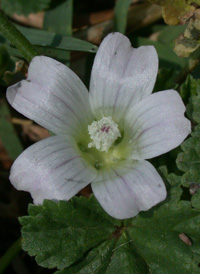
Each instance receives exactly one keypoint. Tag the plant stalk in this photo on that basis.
(16, 38)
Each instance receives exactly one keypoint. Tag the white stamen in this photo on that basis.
(103, 133)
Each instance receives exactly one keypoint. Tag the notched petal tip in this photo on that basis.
(116, 35)
(130, 190)
(121, 74)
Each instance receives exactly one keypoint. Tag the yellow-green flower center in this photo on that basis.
(103, 145)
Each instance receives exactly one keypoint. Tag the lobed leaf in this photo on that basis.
(188, 161)
(59, 234)
(79, 237)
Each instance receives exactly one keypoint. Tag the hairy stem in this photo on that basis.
(16, 38)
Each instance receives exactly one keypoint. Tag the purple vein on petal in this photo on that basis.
(68, 189)
(127, 186)
(145, 130)
(66, 105)
(72, 178)
(144, 113)
(67, 161)
(52, 152)
(163, 140)
(44, 147)
(53, 169)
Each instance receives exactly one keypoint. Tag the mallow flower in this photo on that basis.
(103, 136)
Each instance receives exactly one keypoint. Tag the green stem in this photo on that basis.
(16, 38)
(190, 66)
(10, 254)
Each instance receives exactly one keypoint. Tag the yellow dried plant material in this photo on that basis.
(184, 47)
(188, 42)
(177, 12)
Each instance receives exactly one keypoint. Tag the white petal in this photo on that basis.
(121, 76)
(157, 125)
(51, 169)
(53, 96)
(125, 191)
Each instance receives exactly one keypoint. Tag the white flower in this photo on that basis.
(127, 125)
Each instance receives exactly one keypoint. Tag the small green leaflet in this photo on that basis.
(79, 237)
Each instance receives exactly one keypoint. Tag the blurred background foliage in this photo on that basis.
(70, 31)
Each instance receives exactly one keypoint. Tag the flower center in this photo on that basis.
(103, 133)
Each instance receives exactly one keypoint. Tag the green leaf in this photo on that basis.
(56, 53)
(51, 44)
(190, 88)
(120, 15)
(93, 261)
(170, 33)
(49, 39)
(165, 79)
(79, 237)
(8, 135)
(188, 161)
(156, 233)
(196, 200)
(24, 7)
(59, 234)
(59, 19)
